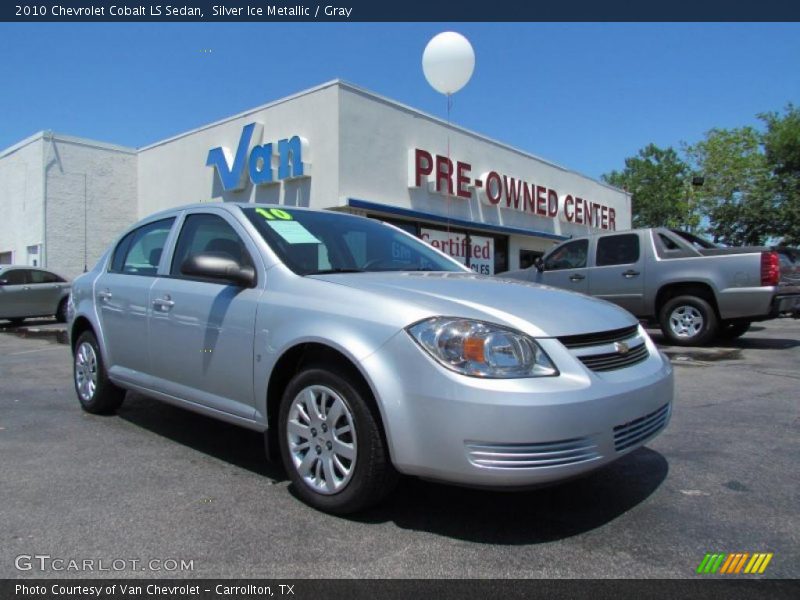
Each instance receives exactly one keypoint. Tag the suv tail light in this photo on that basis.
(770, 268)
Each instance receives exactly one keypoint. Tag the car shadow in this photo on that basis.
(483, 516)
(236, 445)
(524, 517)
(32, 322)
(749, 341)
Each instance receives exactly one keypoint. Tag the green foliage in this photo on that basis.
(657, 181)
(782, 148)
(737, 196)
(751, 183)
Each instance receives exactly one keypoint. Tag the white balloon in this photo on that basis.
(448, 62)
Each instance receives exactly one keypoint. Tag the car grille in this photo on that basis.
(608, 350)
(532, 456)
(615, 360)
(637, 431)
(598, 339)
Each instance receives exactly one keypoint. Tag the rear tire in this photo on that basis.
(95, 391)
(688, 321)
(61, 311)
(733, 329)
(331, 442)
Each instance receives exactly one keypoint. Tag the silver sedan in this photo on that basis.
(27, 292)
(361, 352)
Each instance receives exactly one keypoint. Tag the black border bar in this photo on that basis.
(704, 587)
(399, 10)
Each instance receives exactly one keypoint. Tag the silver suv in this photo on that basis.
(361, 352)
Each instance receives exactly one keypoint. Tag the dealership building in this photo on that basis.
(334, 147)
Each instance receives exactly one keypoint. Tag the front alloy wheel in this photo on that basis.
(322, 439)
(332, 442)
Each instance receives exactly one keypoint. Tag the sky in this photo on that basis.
(582, 95)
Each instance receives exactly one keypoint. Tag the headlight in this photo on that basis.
(482, 349)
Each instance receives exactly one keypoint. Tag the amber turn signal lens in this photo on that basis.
(473, 349)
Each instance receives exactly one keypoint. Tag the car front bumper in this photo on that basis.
(515, 432)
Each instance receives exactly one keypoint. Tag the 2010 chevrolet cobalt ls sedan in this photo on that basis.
(361, 352)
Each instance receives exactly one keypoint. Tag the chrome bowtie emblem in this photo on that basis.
(621, 347)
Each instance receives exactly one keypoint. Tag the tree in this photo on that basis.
(738, 195)
(782, 148)
(658, 182)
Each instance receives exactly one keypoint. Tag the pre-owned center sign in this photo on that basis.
(454, 178)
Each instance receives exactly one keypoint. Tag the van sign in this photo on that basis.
(258, 163)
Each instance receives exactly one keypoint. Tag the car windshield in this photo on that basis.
(312, 243)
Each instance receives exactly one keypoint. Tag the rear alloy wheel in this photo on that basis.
(688, 321)
(331, 443)
(95, 391)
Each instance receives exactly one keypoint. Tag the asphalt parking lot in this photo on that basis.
(156, 482)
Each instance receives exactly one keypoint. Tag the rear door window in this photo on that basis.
(139, 252)
(45, 277)
(617, 250)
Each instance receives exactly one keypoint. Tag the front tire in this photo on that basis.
(331, 442)
(688, 321)
(95, 391)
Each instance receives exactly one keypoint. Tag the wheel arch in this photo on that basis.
(79, 325)
(685, 288)
(291, 362)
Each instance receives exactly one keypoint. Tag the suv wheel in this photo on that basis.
(331, 442)
(688, 321)
(95, 391)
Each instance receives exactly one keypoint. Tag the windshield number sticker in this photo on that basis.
(274, 213)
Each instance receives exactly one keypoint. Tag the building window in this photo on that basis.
(6, 258)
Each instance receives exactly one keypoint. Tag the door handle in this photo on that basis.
(26, 287)
(105, 295)
(577, 277)
(163, 303)
(630, 273)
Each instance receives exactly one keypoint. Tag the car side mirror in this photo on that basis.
(220, 268)
(3, 281)
(538, 262)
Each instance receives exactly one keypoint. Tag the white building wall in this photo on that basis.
(174, 172)
(377, 135)
(91, 199)
(21, 216)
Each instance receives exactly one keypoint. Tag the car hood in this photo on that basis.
(533, 308)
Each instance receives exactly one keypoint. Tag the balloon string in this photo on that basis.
(449, 162)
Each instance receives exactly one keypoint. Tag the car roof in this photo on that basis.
(227, 206)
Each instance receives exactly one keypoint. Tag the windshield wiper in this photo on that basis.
(329, 271)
